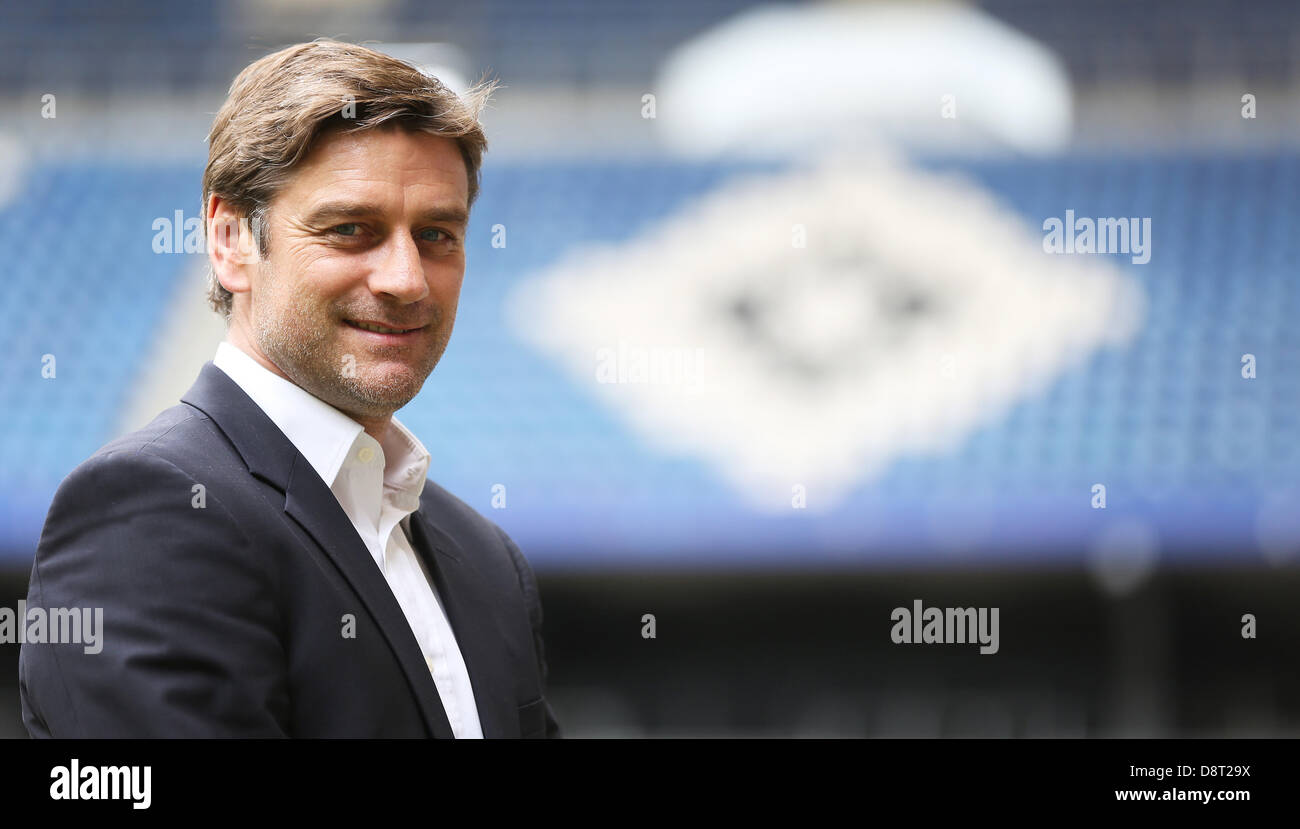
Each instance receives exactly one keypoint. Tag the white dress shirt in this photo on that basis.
(378, 486)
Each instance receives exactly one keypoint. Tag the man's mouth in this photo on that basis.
(366, 325)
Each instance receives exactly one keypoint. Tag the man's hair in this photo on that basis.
(280, 104)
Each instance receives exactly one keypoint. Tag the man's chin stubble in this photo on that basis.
(362, 395)
(377, 398)
(366, 394)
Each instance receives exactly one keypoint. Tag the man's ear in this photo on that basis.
(232, 245)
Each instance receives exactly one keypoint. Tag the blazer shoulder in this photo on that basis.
(450, 512)
(455, 517)
(178, 435)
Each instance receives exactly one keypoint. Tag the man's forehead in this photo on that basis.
(370, 166)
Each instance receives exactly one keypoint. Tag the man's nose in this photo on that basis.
(401, 274)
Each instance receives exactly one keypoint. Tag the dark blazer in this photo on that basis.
(225, 607)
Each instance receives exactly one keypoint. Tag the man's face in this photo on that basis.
(368, 233)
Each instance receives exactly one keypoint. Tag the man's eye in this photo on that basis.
(351, 229)
(437, 235)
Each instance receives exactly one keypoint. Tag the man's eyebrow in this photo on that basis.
(361, 210)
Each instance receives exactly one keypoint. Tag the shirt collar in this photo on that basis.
(322, 433)
(406, 464)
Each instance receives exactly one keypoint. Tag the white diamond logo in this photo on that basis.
(799, 331)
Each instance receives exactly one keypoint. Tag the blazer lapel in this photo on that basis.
(272, 458)
(479, 633)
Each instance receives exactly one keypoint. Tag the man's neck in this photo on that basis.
(375, 428)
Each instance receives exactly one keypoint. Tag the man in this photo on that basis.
(268, 554)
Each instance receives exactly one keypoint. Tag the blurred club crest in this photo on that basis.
(833, 318)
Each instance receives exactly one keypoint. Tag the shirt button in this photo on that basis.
(429, 661)
(366, 455)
